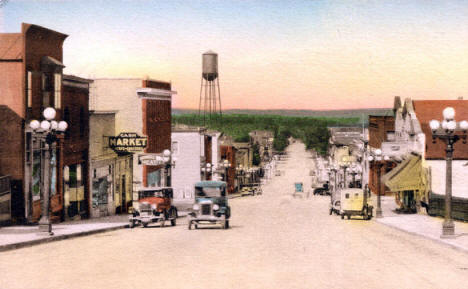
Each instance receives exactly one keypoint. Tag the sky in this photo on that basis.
(319, 55)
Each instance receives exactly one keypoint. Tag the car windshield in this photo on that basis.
(147, 194)
(208, 191)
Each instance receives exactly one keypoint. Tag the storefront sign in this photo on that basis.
(150, 159)
(127, 142)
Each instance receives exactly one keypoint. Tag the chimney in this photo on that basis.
(460, 98)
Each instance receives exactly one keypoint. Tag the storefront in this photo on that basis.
(409, 181)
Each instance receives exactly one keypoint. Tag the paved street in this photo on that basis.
(275, 242)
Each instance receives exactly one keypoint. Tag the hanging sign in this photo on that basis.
(127, 142)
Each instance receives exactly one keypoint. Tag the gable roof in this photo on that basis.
(426, 110)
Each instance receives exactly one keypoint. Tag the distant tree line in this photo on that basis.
(311, 130)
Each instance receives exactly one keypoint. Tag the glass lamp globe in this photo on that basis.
(444, 124)
(464, 125)
(208, 165)
(378, 152)
(62, 126)
(434, 124)
(451, 125)
(53, 125)
(34, 124)
(166, 159)
(449, 113)
(45, 124)
(386, 158)
(166, 153)
(49, 113)
(370, 158)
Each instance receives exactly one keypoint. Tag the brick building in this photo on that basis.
(144, 108)
(32, 79)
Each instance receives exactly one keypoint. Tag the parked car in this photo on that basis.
(211, 205)
(298, 190)
(323, 190)
(335, 207)
(251, 189)
(154, 205)
(354, 203)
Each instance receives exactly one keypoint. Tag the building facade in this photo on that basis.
(144, 110)
(110, 174)
(32, 80)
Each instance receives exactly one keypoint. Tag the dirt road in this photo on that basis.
(275, 242)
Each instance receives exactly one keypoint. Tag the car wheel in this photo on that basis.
(349, 217)
(226, 224)
(190, 225)
(342, 216)
(331, 211)
(173, 222)
(144, 225)
(132, 224)
(196, 226)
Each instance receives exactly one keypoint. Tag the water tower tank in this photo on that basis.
(210, 65)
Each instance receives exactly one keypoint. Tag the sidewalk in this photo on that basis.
(15, 237)
(421, 224)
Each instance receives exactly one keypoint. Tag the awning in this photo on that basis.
(409, 175)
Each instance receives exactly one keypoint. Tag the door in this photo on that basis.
(124, 195)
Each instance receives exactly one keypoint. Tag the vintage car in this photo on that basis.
(354, 203)
(154, 205)
(211, 205)
(251, 189)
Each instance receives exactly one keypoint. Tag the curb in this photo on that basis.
(436, 240)
(14, 246)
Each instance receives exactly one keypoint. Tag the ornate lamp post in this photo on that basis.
(334, 170)
(355, 171)
(47, 131)
(449, 131)
(379, 161)
(206, 169)
(226, 165)
(345, 165)
(170, 161)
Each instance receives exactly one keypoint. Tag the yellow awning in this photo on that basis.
(409, 175)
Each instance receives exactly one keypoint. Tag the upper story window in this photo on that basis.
(51, 70)
(29, 89)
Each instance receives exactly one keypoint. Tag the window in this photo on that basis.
(29, 89)
(175, 148)
(58, 89)
(47, 86)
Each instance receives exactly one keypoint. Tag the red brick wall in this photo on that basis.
(378, 128)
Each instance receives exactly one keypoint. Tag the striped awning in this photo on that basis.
(409, 175)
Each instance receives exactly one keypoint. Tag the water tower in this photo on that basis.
(210, 96)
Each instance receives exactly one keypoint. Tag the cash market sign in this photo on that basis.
(127, 142)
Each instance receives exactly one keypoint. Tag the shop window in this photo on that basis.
(154, 178)
(175, 148)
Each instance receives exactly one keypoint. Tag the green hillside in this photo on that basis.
(311, 130)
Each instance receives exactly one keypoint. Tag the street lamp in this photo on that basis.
(447, 132)
(206, 169)
(47, 132)
(226, 165)
(169, 161)
(345, 162)
(334, 169)
(377, 159)
(354, 171)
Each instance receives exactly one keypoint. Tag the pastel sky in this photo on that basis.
(272, 54)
